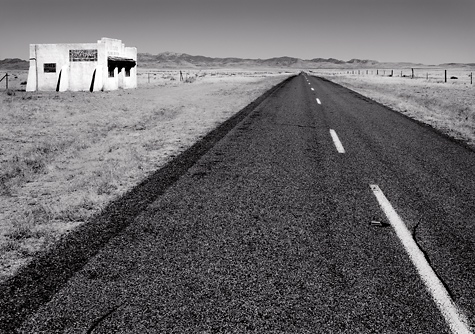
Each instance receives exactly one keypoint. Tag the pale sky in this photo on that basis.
(425, 31)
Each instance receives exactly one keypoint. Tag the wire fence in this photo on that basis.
(432, 75)
(5, 77)
(13, 81)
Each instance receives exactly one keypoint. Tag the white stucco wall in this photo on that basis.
(131, 82)
(115, 48)
(78, 75)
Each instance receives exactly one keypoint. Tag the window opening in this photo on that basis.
(49, 68)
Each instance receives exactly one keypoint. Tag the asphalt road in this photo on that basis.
(272, 230)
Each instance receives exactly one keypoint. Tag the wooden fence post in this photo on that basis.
(471, 78)
(412, 73)
(6, 81)
(445, 71)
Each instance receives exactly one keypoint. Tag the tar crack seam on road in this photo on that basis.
(414, 236)
(96, 322)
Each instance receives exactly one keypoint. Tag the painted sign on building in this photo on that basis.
(82, 55)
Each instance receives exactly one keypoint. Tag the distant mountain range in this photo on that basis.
(14, 64)
(183, 60)
(174, 60)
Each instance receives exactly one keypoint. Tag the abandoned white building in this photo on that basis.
(105, 65)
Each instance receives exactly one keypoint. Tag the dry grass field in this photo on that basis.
(449, 107)
(65, 156)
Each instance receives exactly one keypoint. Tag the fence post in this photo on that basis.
(412, 73)
(6, 80)
(445, 71)
(471, 78)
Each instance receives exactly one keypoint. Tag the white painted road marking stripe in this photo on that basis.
(337, 142)
(454, 318)
(312, 89)
(318, 101)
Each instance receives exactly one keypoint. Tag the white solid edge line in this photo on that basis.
(337, 142)
(454, 318)
(318, 101)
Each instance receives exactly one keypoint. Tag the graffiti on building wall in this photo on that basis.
(83, 55)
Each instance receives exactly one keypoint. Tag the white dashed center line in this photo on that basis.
(312, 89)
(337, 142)
(318, 101)
(454, 318)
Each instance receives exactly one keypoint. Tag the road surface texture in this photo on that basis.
(276, 227)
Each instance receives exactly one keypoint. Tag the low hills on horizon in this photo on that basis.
(182, 60)
(172, 60)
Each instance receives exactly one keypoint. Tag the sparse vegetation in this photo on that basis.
(449, 107)
(65, 156)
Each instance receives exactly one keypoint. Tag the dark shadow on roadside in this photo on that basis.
(36, 283)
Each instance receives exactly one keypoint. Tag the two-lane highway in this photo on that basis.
(279, 229)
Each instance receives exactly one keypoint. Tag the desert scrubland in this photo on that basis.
(65, 156)
(447, 106)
